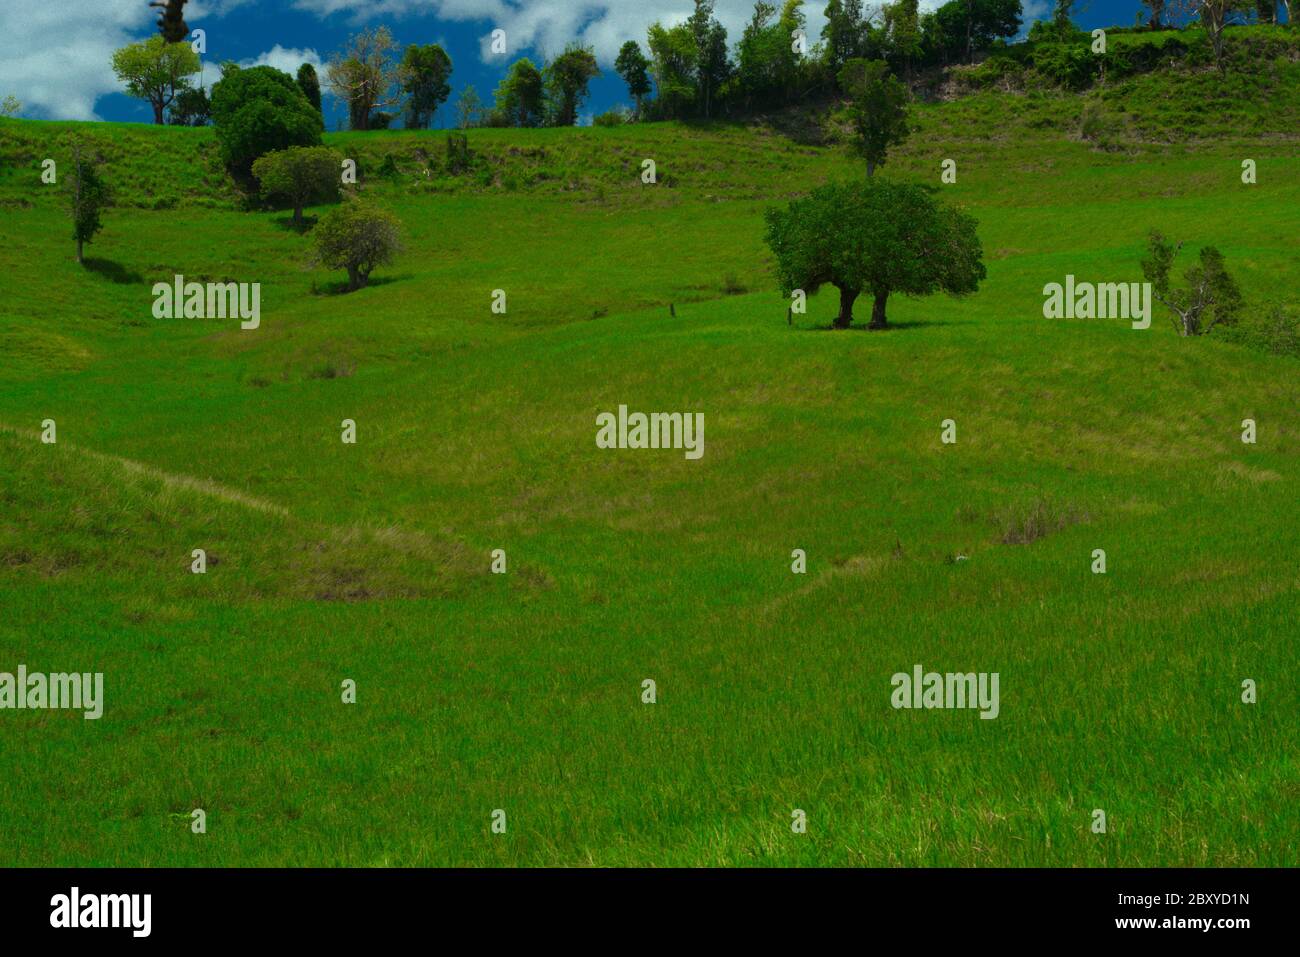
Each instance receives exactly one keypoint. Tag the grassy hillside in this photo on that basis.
(476, 431)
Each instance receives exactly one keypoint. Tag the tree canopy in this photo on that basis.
(258, 110)
(358, 237)
(424, 73)
(301, 175)
(156, 70)
(877, 107)
(520, 96)
(876, 237)
(567, 79)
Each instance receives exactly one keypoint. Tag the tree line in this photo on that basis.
(688, 70)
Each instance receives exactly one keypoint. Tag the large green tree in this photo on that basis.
(156, 70)
(968, 26)
(673, 58)
(902, 29)
(712, 65)
(521, 95)
(257, 110)
(424, 73)
(843, 33)
(875, 237)
(632, 66)
(567, 79)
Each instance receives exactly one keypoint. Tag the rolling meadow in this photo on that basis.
(477, 691)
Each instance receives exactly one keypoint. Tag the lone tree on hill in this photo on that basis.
(1211, 296)
(300, 174)
(156, 70)
(875, 237)
(357, 237)
(878, 108)
(87, 194)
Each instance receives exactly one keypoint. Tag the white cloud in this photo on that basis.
(1032, 10)
(56, 57)
(286, 59)
(197, 10)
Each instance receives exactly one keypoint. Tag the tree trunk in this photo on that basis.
(871, 168)
(80, 260)
(845, 318)
(297, 215)
(878, 320)
(158, 112)
(355, 281)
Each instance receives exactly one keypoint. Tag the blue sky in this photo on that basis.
(55, 57)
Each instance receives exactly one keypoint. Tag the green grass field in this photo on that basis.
(522, 691)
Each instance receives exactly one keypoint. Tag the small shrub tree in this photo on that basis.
(878, 108)
(87, 195)
(459, 157)
(1211, 296)
(300, 175)
(191, 108)
(875, 237)
(357, 237)
(469, 108)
